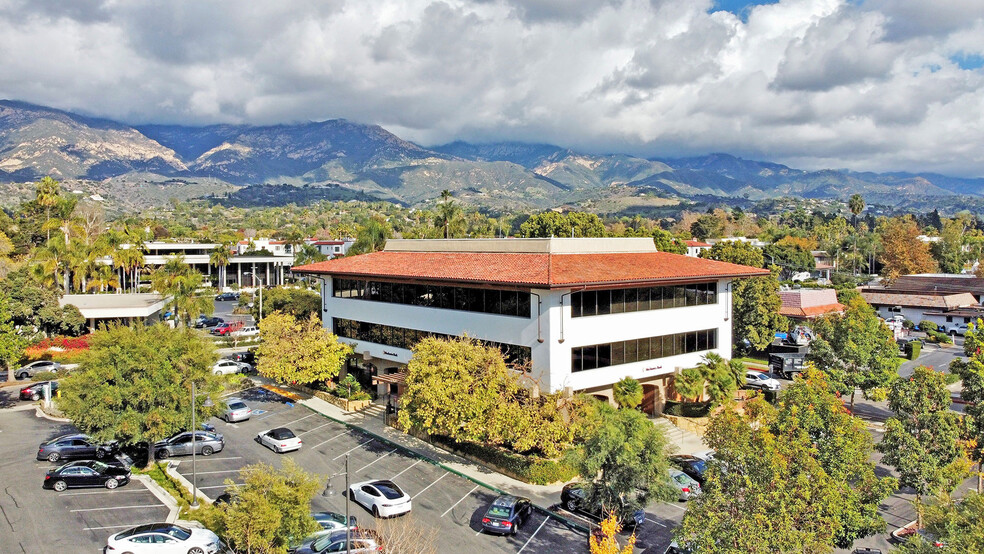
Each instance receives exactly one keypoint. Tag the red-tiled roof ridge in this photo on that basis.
(532, 269)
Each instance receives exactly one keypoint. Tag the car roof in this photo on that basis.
(507, 500)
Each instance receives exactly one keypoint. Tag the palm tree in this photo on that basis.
(102, 278)
(856, 205)
(627, 393)
(689, 384)
(449, 215)
(220, 258)
(47, 195)
(177, 281)
(371, 236)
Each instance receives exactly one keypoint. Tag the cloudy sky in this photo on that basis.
(862, 84)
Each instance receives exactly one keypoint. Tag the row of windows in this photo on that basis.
(637, 350)
(617, 301)
(490, 301)
(400, 337)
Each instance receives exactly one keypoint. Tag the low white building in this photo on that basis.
(120, 308)
(332, 248)
(580, 314)
(695, 247)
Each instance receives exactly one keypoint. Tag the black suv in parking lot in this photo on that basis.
(74, 446)
(574, 499)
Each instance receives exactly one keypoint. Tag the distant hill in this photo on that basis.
(339, 159)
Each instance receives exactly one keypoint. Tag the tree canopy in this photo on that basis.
(299, 351)
(300, 303)
(179, 282)
(902, 251)
(554, 224)
(134, 384)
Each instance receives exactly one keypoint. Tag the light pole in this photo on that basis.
(330, 491)
(257, 277)
(194, 436)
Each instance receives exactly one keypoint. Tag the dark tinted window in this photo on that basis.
(389, 489)
(282, 433)
(647, 348)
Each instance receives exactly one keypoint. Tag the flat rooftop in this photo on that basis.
(104, 306)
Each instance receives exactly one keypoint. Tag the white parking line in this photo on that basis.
(209, 459)
(329, 440)
(459, 501)
(119, 508)
(545, 520)
(656, 522)
(300, 419)
(405, 470)
(351, 449)
(316, 428)
(220, 486)
(104, 492)
(377, 459)
(107, 527)
(675, 506)
(220, 471)
(431, 485)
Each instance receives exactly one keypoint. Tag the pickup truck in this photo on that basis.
(954, 329)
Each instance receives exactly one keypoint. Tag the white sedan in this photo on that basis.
(280, 440)
(227, 367)
(382, 498)
(759, 380)
(251, 331)
(163, 538)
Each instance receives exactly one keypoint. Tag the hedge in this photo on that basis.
(687, 409)
(915, 347)
(532, 469)
(926, 325)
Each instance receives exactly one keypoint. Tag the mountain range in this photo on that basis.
(344, 160)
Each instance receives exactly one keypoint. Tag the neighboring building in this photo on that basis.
(695, 247)
(753, 242)
(123, 308)
(916, 307)
(802, 305)
(268, 261)
(275, 247)
(937, 283)
(825, 263)
(580, 313)
(332, 248)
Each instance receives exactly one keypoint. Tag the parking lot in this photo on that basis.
(77, 520)
(446, 505)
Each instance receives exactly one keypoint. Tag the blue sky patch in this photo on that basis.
(968, 61)
(739, 7)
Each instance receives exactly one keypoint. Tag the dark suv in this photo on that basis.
(74, 446)
(574, 499)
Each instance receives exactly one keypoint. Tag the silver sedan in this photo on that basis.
(206, 444)
(236, 410)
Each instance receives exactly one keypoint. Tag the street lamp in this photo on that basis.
(330, 491)
(194, 436)
(255, 277)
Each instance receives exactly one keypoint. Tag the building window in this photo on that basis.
(617, 301)
(597, 356)
(398, 337)
(469, 299)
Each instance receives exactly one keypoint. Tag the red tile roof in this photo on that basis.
(532, 269)
(697, 243)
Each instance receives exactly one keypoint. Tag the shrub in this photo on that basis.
(908, 324)
(687, 409)
(926, 325)
(44, 376)
(350, 389)
(915, 347)
(936, 336)
(533, 469)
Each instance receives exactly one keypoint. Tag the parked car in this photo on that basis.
(248, 357)
(36, 391)
(164, 538)
(507, 514)
(761, 381)
(279, 440)
(687, 485)
(75, 446)
(383, 498)
(236, 410)
(86, 473)
(248, 331)
(227, 328)
(675, 548)
(206, 444)
(229, 367)
(573, 498)
(954, 329)
(33, 368)
(331, 521)
(691, 465)
(360, 543)
(208, 322)
(227, 296)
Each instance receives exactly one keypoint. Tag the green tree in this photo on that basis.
(134, 384)
(220, 258)
(922, 440)
(371, 237)
(790, 256)
(271, 510)
(971, 372)
(755, 301)
(707, 226)
(796, 478)
(948, 251)
(856, 205)
(299, 303)
(47, 194)
(856, 350)
(449, 217)
(623, 460)
(627, 393)
(902, 251)
(177, 280)
(299, 351)
(554, 224)
(690, 384)
(11, 344)
(957, 524)
(666, 242)
(35, 306)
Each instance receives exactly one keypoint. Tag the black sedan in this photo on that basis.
(86, 473)
(574, 499)
(691, 465)
(506, 515)
(207, 322)
(36, 391)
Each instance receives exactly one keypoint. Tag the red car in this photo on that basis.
(227, 328)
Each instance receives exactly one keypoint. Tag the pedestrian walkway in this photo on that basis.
(679, 440)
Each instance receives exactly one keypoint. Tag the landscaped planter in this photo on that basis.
(347, 405)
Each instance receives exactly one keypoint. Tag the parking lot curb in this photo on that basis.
(40, 413)
(162, 495)
(170, 470)
(545, 511)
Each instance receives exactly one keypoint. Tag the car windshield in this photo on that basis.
(180, 533)
(389, 489)
(698, 465)
(322, 543)
(98, 466)
(681, 478)
(326, 517)
(498, 511)
(237, 406)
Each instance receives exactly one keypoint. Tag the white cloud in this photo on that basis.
(869, 85)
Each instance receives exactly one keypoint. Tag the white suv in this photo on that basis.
(251, 331)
